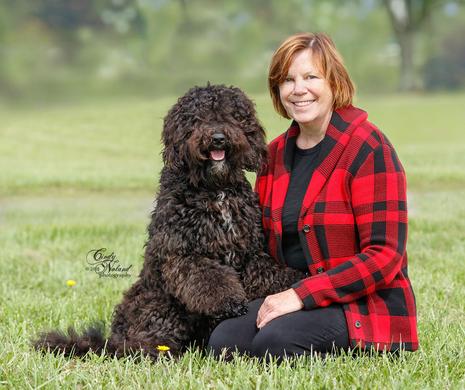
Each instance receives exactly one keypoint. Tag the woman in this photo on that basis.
(333, 198)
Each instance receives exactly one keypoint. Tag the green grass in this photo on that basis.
(74, 178)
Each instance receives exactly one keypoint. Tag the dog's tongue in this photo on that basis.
(217, 155)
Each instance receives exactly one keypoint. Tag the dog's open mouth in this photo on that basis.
(217, 155)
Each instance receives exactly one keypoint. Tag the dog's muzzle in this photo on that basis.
(217, 153)
(218, 140)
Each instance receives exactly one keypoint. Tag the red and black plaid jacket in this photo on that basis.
(353, 229)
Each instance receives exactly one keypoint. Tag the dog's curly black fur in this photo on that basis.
(205, 255)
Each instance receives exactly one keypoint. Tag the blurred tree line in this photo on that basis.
(53, 48)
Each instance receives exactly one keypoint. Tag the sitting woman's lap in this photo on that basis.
(319, 330)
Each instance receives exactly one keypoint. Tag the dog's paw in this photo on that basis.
(231, 310)
(240, 310)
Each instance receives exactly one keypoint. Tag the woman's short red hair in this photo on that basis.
(329, 59)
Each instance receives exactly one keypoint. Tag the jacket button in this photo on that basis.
(357, 324)
(319, 270)
(306, 228)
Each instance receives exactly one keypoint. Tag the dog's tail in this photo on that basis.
(72, 343)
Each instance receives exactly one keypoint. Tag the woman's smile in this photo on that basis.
(303, 103)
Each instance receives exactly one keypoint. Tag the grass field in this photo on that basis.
(82, 176)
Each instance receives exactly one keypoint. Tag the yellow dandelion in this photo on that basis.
(163, 348)
(70, 283)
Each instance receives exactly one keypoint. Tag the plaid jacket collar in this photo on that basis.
(337, 136)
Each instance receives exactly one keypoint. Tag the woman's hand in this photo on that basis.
(277, 305)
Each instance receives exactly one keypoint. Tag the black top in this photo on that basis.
(302, 170)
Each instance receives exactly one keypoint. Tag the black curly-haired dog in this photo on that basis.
(205, 255)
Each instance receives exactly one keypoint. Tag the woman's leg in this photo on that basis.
(302, 332)
(236, 333)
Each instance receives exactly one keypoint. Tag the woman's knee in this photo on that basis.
(221, 338)
(272, 341)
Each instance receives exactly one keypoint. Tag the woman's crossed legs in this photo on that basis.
(322, 330)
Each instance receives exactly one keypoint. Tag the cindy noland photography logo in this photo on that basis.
(106, 264)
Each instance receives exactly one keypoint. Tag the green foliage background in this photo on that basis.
(52, 49)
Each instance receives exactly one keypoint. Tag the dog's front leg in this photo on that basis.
(263, 276)
(204, 286)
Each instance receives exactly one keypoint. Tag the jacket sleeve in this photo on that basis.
(378, 199)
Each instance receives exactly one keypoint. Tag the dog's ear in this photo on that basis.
(258, 153)
(177, 127)
(171, 157)
(245, 114)
(174, 135)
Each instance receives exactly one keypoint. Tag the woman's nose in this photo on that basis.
(299, 87)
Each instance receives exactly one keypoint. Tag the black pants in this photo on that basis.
(322, 330)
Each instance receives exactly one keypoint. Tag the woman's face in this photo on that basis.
(305, 93)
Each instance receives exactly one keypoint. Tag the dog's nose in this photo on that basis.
(218, 139)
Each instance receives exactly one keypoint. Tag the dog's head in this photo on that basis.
(211, 134)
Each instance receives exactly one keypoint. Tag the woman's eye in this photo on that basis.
(311, 77)
(287, 79)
